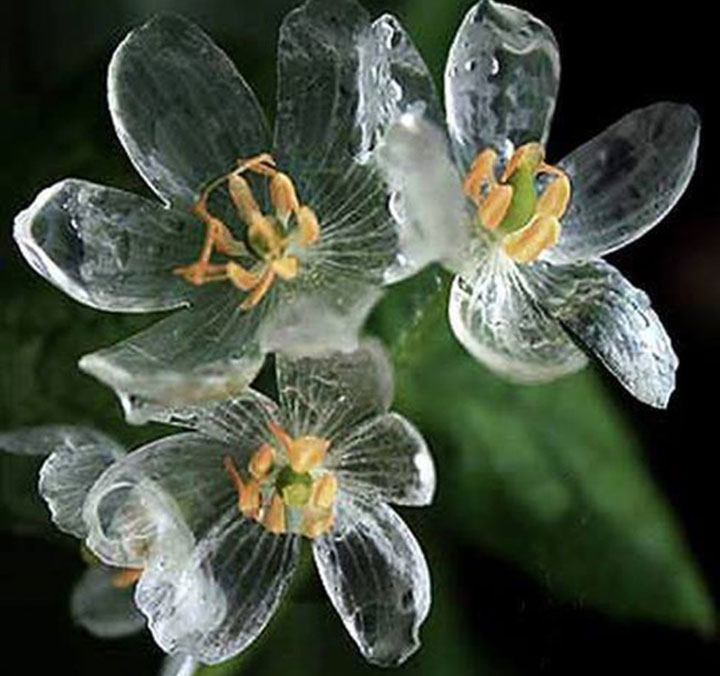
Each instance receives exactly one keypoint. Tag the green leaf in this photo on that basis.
(548, 477)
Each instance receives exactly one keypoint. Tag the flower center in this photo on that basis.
(286, 489)
(527, 222)
(268, 235)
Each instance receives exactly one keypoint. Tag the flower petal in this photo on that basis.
(385, 457)
(107, 248)
(250, 567)
(180, 108)
(325, 395)
(393, 79)
(495, 317)
(207, 352)
(614, 321)
(376, 577)
(627, 179)
(179, 665)
(501, 81)
(102, 608)
(428, 202)
(77, 457)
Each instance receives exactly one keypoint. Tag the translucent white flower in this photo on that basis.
(532, 295)
(269, 243)
(212, 520)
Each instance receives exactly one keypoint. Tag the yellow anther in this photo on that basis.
(274, 519)
(286, 267)
(555, 198)
(262, 164)
(525, 245)
(306, 453)
(250, 499)
(493, 208)
(125, 577)
(531, 154)
(480, 175)
(308, 226)
(314, 526)
(261, 461)
(240, 277)
(324, 491)
(283, 438)
(264, 236)
(242, 197)
(283, 196)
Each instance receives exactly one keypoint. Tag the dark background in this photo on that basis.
(616, 56)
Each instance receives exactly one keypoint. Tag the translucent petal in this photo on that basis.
(501, 81)
(207, 352)
(428, 202)
(159, 499)
(323, 396)
(626, 179)
(179, 665)
(249, 566)
(107, 248)
(103, 609)
(376, 577)
(495, 317)
(180, 108)
(393, 79)
(614, 321)
(385, 457)
(77, 457)
(243, 416)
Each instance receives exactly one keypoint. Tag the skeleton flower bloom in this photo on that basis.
(275, 243)
(212, 520)
(532, 294)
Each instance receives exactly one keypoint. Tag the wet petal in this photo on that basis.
(249, 566)
(393, 79)
(181, 110)
(627, 179)
(376, 577)
(323, 396)
(385, 457)
(207, 352)
(614, 321)
(495, 317)
(107, 248)
(103, 609)
(501, 81)
(77, 457)
(428, 202)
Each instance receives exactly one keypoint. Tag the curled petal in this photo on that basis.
(387, 457)
(207, 352)
(323, 396)
(496, 317)
(627, 179)
(428, 202)
(102, 608)
(107, 248)
(501, 81)
(613, 320)
(376, 577)
(181, 110)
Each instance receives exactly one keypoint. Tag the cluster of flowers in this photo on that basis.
(283, 245)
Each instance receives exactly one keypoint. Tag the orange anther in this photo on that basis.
(554, 200)
(262, 461)
(532, 154)
(286, 267)
(308, 226)
(283, 438)
(306, 453)
(242, 197)
(317, 525)
(481, 175)
(525, 245)
(261, 288)
(283, 196)
(324, 491)
(274, 519)
(126, 577)
(493, 208)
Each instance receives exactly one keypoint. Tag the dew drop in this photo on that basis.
(494, 66)
(470, 65)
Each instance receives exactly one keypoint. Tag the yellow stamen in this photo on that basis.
(261, 288)
(250, 499)
(480, 175)
(286, 267)
(262, 461)
(324, 491)
(493, 208)
(274, 519)
(317, 525)
(283, 196)
(126, 577)
(283, 438)
(525, 245)
(242, 197)
(531, 153)
(306, 453)
(308, 226)
(555, 198)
